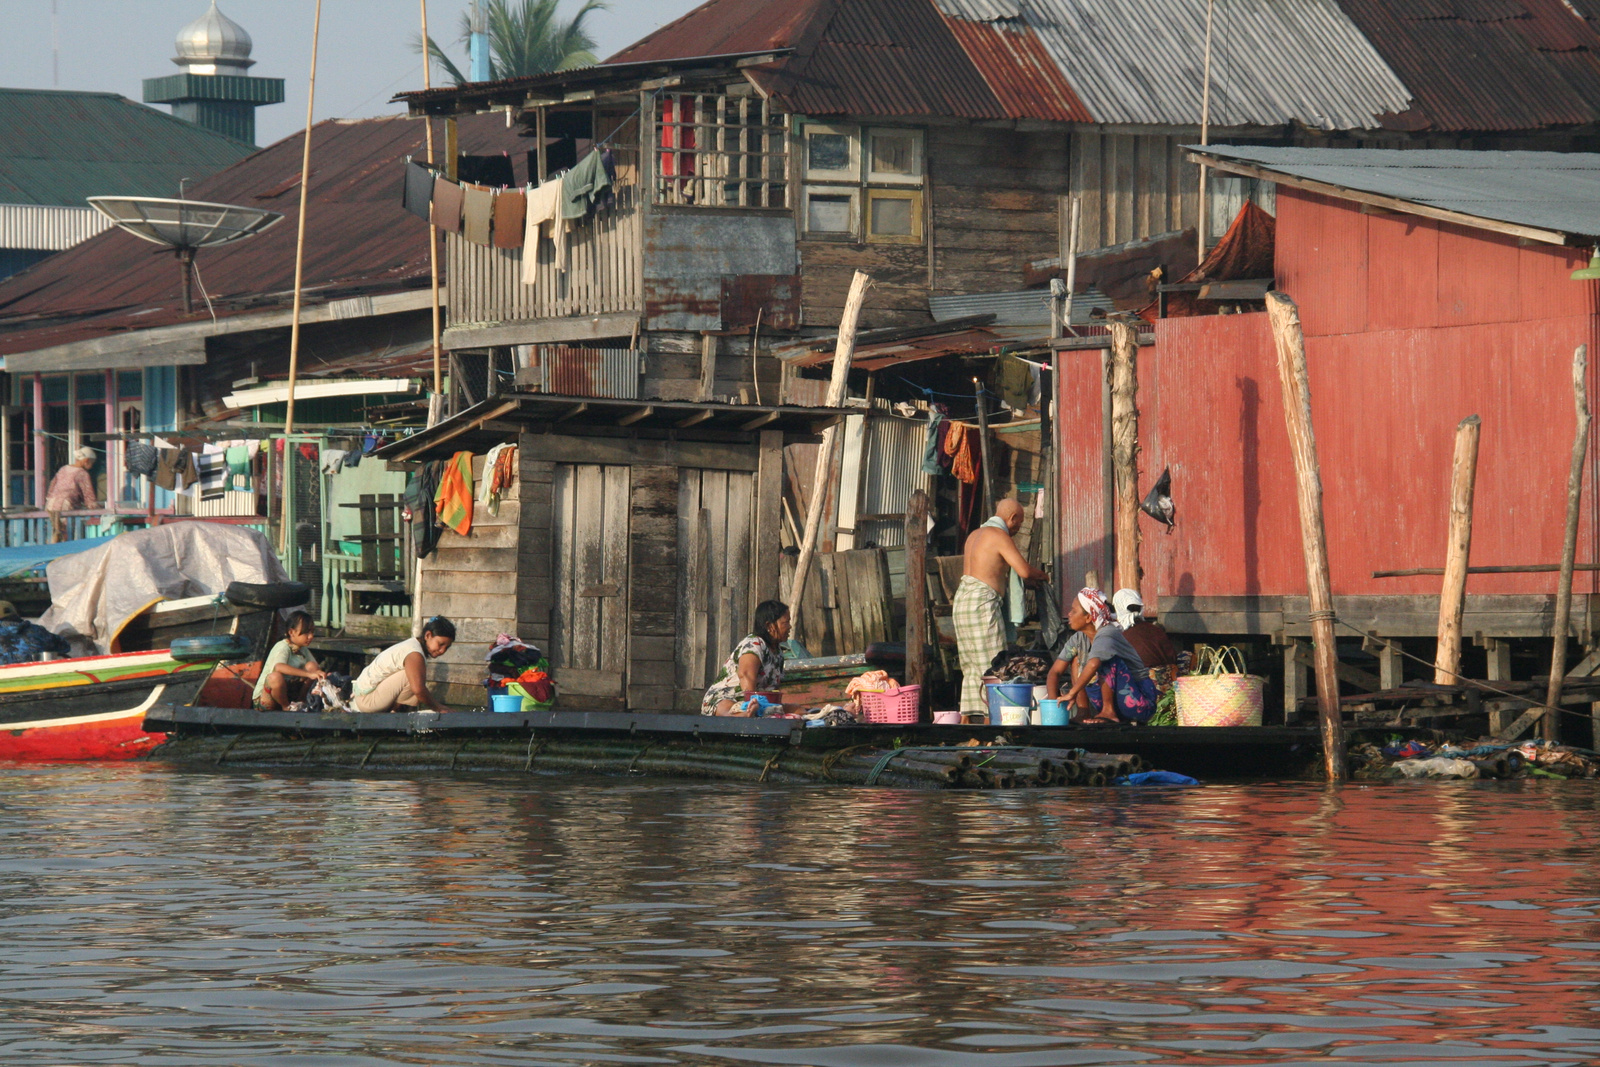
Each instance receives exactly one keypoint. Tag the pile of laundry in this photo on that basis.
(1486, 759)
(515, 666)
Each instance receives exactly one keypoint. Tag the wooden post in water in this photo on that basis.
(1296, 382)
(917, 590)
(1453, 594)
(1125, 450)
(983, 447)
(1550, 726)
(843, 352)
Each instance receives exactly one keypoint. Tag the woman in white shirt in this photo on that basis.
(397, 679)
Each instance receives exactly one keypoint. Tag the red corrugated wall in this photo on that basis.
(1411, 325)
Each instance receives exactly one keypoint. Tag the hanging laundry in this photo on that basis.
(542, 219)
(332, 460)
(140, 458)
(477, 213)
(453, 502)
(582, 185)
(213, 469)
(447, 205)
(509, 209)
(175, 469)
(352, 458)
(309, 454)
(416, 192)
(930, 448)
(1015, 384)
(237, 457)
(962, 450)
(419, 497)
(499, 473)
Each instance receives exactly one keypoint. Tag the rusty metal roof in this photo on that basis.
(1487, 64)
(1020, 71)
(360, 241)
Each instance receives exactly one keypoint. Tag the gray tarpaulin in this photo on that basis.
(93, 594)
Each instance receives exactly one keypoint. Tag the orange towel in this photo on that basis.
(453, 501)
(959, 447)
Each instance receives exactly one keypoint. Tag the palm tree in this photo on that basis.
(526, 37)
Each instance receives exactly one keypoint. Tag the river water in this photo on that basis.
(155, 916)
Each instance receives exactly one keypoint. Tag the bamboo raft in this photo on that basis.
(727, 749)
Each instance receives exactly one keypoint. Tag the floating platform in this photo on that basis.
(706, 747)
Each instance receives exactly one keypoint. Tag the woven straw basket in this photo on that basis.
(1218, 696)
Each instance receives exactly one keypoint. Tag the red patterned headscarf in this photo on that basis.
(1093, 602)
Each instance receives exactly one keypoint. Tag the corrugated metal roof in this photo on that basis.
(48, 227)
(1021, 73)
(359, 241)
(1487, 65)
(1273, 61)
(1555, 191)
(57, 147)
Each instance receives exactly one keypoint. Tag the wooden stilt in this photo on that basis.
(433, 234)
(1550, 726)
(1453, 596)
(1125, 450)
(1296, 382)
(1294, 680)
(843, 353)
(917, 589)
(1391, 665)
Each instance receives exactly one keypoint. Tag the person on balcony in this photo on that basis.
(71, 489)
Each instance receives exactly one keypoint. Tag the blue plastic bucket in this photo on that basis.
(1003, 695)
(1052, 713)
(505, 702)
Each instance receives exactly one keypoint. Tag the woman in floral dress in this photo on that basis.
(754, 666)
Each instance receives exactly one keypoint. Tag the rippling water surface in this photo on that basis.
(153, 916)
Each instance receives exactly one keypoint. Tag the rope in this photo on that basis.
(373, 748)
(634, 763)
(883, 761)
(831, 760)
(533, 750)
(771, 763)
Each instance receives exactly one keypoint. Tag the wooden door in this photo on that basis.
(715, 551)
(589, 623)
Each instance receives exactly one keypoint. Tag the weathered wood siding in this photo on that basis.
(589, 538)
(715, 517)
(989, 209)
(1132, 186)
(602, 275)
(472, 581)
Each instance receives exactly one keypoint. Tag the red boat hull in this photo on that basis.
(112, 737)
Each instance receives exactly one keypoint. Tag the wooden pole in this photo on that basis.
(300, 238)
(433, 232)
(1071, 265)
(983, 447)
(1550, 726)
(1296, 382)
(1457, 549)
(1201, 216)
(1125, 450)
(917, 589)
(843, 353)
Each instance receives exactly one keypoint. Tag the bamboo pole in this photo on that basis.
(983, 447)
(433, 232)
(917, 590)
(1125, 450)
(300, 238)
(1550, 725)
(1201, 216)
(1457, 549)
(1292, 375)
(843, 353)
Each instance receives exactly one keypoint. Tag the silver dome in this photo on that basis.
(214, 44)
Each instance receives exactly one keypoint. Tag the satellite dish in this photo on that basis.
(185, 226)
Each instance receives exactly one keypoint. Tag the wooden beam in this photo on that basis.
(1296, 383)
(571, 413)
(917, 589)
(1550, 728)
(708, 367)
(541, 331)
(187, 351)
(760, 421)
(696, 419)
(635, 416)
(1365, 681)
(1458, 546)
(1125, 451)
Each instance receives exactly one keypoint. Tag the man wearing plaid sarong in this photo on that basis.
(978, 609)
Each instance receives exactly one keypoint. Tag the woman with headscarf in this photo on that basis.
(1109, 680)
(71, 489)
(1147, 638)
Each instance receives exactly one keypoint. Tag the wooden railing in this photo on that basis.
(603, 257)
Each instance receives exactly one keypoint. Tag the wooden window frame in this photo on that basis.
(851, 173)
(911, 195)
(739, 155)
(874, 177)
(852, 234)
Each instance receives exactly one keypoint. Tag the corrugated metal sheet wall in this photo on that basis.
(48, 229)
(891, 472)
(599, 372)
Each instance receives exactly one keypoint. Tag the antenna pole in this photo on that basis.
(186, 265)
(433, 233)
(1205, 133)
(300, 239)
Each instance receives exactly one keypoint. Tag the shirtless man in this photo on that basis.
(978, 610)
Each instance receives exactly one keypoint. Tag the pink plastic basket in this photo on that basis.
(898, 707)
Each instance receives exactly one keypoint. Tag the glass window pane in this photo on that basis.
(893, 153)
(91, 387)
(130, 384)
(56, 390)
(891, 217)
(828, 151)
(828, 214)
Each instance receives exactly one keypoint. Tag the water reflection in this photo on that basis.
(185, 918)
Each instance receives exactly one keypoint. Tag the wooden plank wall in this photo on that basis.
(1132, 186)
(715, 523)
(653, 573)
(992, 205)
(589, 573)
(472, 581)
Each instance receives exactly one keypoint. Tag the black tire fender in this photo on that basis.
(267, 595)
(208, 648)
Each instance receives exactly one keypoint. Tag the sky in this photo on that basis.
(364, 58)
